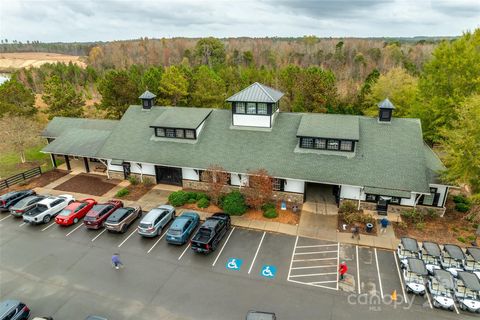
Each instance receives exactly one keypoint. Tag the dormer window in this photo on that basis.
(180, 123)
(240, 107)
(326, 144)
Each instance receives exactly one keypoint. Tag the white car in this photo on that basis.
(48, 208)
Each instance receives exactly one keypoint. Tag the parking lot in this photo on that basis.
(59, 269)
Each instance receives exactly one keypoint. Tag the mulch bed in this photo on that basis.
(88, 184)
(137, 191)
(41, 181)
(284, 216)
(348, 229)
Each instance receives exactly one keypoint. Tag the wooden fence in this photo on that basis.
(24, 176)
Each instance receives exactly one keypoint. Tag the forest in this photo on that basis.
(435, 80)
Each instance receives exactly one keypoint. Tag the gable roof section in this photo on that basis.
(78, 142)
(433, 165)
(181, 117)
(60, 124)
(257, 92)
(388, 157)
(329, 126)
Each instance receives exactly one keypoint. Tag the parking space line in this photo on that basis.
(317, 246)
(312, 274)
(256, 253)
(76, 228)
(358, 270)
(428, 298)
(24, 223)
(189, 244)
(310, 260)
(338, 261)
(320, 282)
(5, 218)
(51, 224)
(314, 267)
(131, 234)
(311, 284)
(98, 235)
(221, 250)
(157, 242)
(291, 260)
(314, 252)
(400, 277)
(455, 307)
(378, 272)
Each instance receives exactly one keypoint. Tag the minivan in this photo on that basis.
(155, 220)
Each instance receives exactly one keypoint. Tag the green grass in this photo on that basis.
(10, 163)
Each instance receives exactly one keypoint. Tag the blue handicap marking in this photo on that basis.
(234, 264)
(268, 271)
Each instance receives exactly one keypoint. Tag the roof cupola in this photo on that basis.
(148, 100)
(385, 111)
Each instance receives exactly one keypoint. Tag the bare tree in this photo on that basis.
(260, 188)
(18, 134)
(216, 177)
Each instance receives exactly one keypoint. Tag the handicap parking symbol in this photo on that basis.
(268, 271)
(234, 264)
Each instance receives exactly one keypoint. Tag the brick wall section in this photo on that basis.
(393, 208)
(287, 196)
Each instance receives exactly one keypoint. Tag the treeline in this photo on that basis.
(71, 48)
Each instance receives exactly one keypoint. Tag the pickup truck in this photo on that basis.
(47, 209)
(210, 233)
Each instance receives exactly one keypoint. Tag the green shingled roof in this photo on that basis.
(78, 142)
(329, 126)
(59, 124)
(256, 92)
(388, 192)
(433, 165)
(186, 118)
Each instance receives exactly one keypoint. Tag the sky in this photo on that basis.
(105, 20)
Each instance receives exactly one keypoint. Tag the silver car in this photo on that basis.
(22, 206)
(155, 220)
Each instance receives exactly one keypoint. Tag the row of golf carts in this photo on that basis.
(448, 272)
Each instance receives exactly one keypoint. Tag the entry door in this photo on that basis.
(382, 205)
(126, 170)
(169, 175)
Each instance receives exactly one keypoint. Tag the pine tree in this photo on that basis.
(173, 88)
(62, 98)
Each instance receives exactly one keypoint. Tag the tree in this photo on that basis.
(399, 87)
(173, 88)
(62, 98)
(208, 89)
(452, 75)
(260, 188)
(315, 90)
(462, 143)
(18, 134)
(151, 79)
(366, 89)
(118, 92)
(216, 178)
(16, 99)
(211, 51)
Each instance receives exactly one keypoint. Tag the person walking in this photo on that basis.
(116, 263)
(342, 269)
(356, 231)
(384, 224)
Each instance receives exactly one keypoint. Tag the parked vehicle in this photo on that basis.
(211, 232)
(74, 212)
(22, 206)
(47, 209)
(452, 259)
(260, 315)
(13, 310)
(122, 218)
(467, 291)
(408, 248)
(442, 287)
(155, 220)
(431, 255)
(472, 261)
(414, 275)
(182, 228)
(96, 217)
(9, 199)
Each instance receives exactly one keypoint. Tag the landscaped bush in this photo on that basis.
(191, 195)
(191, 201)
(234, 203)
(268, 206)
(358, 217)
(420, 226)
(471, 238)
(462, 207)
(133, 180)
(460, 199)
(201, 195)
(203, 203)
(178, 198)
(461, 239)
(412, 216)
(348, 207)
(270, 213)
(147, 182)
(122, 193)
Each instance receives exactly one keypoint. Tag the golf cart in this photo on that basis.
(408, 248)
(431, 255)
(452, 259)
(467, 291)
(472, 262)
(441, 288)
(414, 275)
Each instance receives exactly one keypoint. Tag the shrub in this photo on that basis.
(348, 207)
(462, 207)
(191, 201)
(178, 198)
(461, 239)
(122, 193)
(432, 214)
(268, 206)
(413, 216)
(402, 225)
(358, 217)
(147, 182)
(455, 229)
(420, 226)
(234, 203)
(203, 203)
(460, 199)
(133, 180)
(202, 195)
(471, 238)
(270, 213)
(191, 195)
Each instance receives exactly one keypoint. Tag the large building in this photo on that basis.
(381, 163)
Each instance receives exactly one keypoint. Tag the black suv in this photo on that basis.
(9, 199)
(13, 310)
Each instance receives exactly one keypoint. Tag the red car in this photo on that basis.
(96, 217)
(74, 212)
